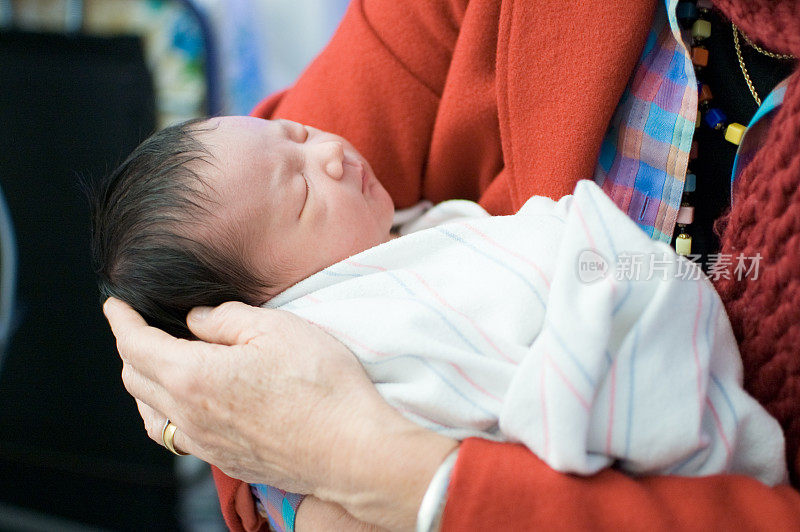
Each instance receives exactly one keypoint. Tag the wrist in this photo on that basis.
(388, 470)
(430, 513)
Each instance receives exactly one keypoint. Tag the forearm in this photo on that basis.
(388, 469)
(315, 515)
(504, 486)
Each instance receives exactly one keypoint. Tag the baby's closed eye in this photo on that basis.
(305, 199)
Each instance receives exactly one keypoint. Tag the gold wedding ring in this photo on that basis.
(167, 435)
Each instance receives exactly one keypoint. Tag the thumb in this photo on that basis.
(230, 323)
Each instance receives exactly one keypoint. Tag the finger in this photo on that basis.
(182, 442)
(150, 350)
(117, 312)
(146, 391)
(153, 421)
(231, 323)
(154, 424)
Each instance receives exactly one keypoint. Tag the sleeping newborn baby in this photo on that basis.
(232, 208)
(510, 327)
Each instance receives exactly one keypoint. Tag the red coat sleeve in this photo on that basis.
(237, 505)
(503, 486)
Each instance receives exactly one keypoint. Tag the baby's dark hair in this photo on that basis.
(141, 249)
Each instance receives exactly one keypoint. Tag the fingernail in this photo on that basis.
(200, 313)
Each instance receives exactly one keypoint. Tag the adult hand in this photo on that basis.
(270, 398)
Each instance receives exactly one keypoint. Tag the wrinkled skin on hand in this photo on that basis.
(270, 398)
(234, 397)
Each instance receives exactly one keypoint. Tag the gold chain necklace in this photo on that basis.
(736, 32)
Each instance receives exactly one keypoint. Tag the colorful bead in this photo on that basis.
(683, 244)
(686, 12)
(693, 151)
(690, 185)
(701, 29)
(715, 118)
(734, 133)
(699, 56)
(685, 214)
(704, 94)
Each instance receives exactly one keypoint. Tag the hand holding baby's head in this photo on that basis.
(231, 208)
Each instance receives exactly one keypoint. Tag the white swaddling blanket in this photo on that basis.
(524, 328)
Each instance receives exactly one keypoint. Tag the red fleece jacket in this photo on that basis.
(500, 100)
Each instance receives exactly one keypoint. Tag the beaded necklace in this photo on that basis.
(694, 17)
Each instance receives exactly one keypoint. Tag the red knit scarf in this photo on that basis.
(765, 219)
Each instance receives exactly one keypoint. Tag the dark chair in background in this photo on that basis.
(72, 446)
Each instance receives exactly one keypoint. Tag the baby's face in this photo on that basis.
(300, 199)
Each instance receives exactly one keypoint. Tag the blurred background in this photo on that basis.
(81, 84)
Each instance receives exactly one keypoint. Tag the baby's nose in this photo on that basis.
(332, 158)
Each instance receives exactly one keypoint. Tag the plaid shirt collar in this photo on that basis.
(645, 153)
